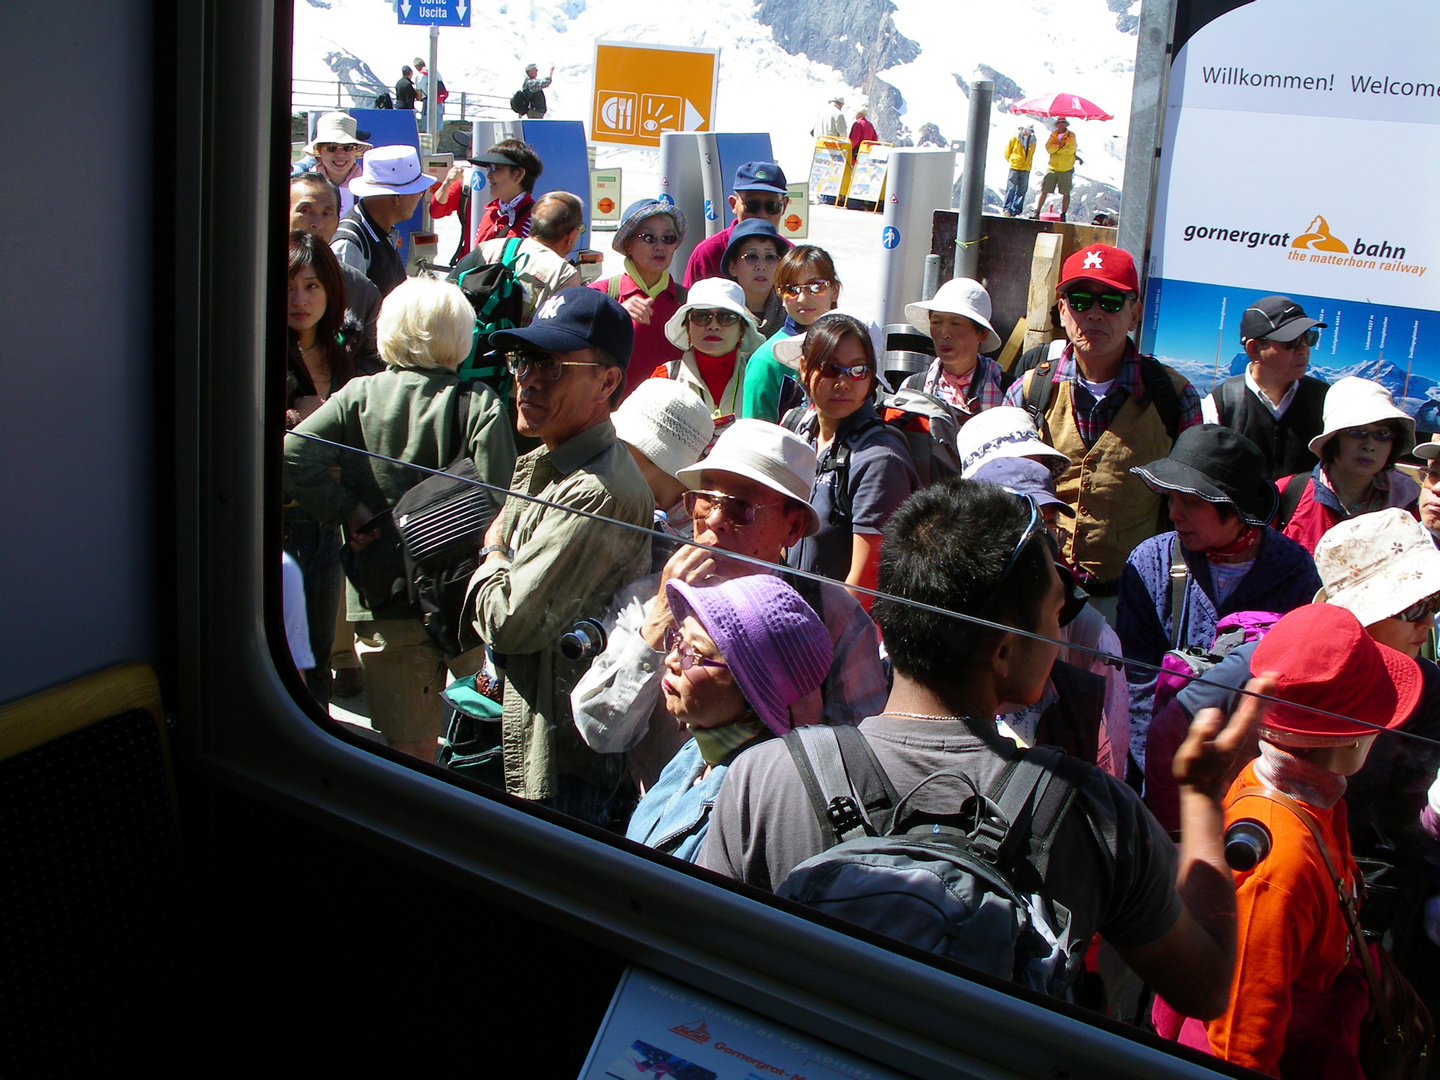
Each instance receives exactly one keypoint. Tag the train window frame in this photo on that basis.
(237, 697)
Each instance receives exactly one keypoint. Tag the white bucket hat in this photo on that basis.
(336, 127)
(1376, 565)
(766, 453)
(1004, 432)
(788, 350)
(392, 170)
(1428, 451)
(667, 422)
(958, 296)
(719, 294)
(1355, 402)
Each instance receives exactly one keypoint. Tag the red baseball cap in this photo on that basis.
(1100, 262)
(1320, 656)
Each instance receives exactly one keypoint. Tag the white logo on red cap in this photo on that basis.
(551, 307)
(1093, 259)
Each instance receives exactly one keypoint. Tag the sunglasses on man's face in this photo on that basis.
(763, 206)
(668, 239)
(706, 316)
(1110, 302)
(1309, 339)
(733, 509)
(814, 288)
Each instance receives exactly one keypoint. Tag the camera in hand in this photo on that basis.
(585, 641)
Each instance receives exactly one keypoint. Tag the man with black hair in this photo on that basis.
(975, 550)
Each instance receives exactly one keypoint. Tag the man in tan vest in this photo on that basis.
(1097, 400)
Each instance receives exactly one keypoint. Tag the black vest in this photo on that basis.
(383, 264)
(1284, 442)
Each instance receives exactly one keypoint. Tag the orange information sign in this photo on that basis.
(644, 90)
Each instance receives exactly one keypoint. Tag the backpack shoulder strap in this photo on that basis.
(1179, 579)
(1230, 399)
(1156, 381)
(1040, 391)
(612, 287)
(840, 466)
(1033, 797)
(849, 791)
(1290, 499)
(511, 252)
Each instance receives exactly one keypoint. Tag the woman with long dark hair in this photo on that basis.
(319, 359)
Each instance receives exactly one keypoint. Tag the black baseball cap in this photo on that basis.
(574, 319)
(1275, 317)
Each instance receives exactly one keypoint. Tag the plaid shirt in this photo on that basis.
(1093, 418)
(985, 390)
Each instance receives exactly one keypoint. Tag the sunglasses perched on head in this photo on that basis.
(1310, 338)
(1421, 611)
(814, 288)
(764, 206)
(735, 510)
(1110, 302)
(706, 316)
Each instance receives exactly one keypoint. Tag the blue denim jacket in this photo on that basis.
(674, 814)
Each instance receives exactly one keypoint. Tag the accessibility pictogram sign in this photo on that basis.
(642, 91)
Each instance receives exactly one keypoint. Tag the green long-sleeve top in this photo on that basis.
(564, 567)
(403, 413)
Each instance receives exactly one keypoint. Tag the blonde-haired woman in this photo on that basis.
(413, 411)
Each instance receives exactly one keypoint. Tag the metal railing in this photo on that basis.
(308, 95)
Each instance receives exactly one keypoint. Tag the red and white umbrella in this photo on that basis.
(1054, 106)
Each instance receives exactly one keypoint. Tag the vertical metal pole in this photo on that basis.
(432, 93)
(972, 180)
(462, 107)
(1147, 128)
(931, 282)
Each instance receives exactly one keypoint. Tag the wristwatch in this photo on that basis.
(488, 548)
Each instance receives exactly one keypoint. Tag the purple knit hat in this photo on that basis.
(776, 646)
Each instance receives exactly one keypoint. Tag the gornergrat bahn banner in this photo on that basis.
(1300, 156)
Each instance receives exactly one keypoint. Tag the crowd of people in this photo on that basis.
(705, 476)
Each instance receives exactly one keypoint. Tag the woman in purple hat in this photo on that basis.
(741, 654)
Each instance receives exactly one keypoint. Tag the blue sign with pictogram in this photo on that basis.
(434, 12)
(666, 198)
(890, 237)
(709, 210)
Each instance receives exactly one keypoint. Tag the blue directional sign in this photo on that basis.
(434, 12)
(890, 237)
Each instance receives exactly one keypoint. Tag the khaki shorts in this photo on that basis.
(404, 674)
(1057, 181)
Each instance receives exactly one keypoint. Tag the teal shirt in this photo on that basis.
(764, 375)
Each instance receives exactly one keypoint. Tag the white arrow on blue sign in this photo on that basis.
(434, 12)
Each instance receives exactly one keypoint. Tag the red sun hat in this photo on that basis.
(1320, 656)
(1100, 262)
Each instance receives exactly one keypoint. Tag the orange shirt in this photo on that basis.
(1290, 930)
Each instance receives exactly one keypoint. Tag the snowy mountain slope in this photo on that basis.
(1041, 46)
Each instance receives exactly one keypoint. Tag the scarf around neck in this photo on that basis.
(650, 291)
(717, 744)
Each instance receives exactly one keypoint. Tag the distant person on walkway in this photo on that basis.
(388, 191)
(861, 131)
(830, 123)
(534, 91)
(1062, 147)
(759, 191)
(335, 153)
(1019, 154)
(405, 93)
(424, 87)
(1274, 403)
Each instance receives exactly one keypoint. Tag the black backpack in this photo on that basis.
(965, 886)
(383, 100)
(499, 303)
(442, 522)
(520, 102)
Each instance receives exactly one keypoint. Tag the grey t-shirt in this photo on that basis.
(1112, 865)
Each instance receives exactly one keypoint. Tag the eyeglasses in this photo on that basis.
(1422, 610)
(831, 370)
(1309, 339)
(1430, 477)
(765, 206)
(814, 288)
(668, 239)
(337, 148)
(676, 643)
(706, 316)
(1379, 434)
(756, 258)
(1033, 528)
(733, 509)
(1109, 302)
(546, 367)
